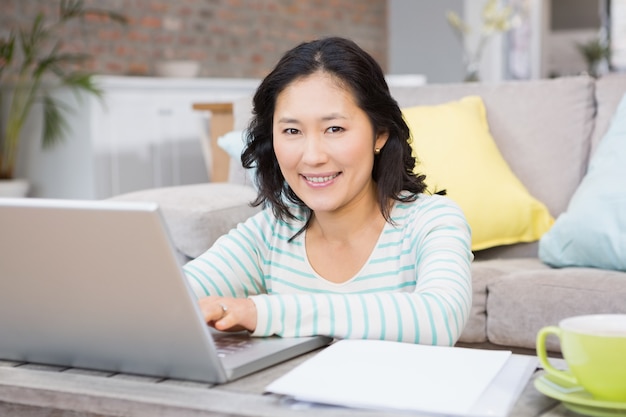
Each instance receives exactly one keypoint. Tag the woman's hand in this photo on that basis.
(229, 314)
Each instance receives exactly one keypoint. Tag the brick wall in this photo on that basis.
(230, 38)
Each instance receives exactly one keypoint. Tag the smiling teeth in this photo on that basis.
(321, 179)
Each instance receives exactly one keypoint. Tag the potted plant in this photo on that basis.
(33, 64)
(595, 53)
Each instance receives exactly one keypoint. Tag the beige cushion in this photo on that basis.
(196, 215)
(609, 91)
(520, 303)
(484, 274)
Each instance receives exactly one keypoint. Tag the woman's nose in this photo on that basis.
(314, 152)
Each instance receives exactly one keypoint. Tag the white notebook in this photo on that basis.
(401, 376)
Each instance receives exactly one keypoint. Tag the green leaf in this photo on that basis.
(55, 60)
(111, 15)
(7, 46)
(54, 124)
(594, 50)
(32, 39)
(71, 9)
(80, 81)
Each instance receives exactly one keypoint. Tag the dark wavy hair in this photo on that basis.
(363, 77)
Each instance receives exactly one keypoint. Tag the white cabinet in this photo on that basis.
(143, 134)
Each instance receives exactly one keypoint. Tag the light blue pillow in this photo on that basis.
(592, 232)
(233, 143)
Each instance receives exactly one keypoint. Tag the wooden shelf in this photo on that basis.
(222, 122)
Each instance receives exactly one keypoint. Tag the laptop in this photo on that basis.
(96, 285)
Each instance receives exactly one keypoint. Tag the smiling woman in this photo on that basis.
(324, 144)
(349, 244)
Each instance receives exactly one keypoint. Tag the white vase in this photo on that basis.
(14, 188)
(472, 70)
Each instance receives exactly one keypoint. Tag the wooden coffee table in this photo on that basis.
(29, 390)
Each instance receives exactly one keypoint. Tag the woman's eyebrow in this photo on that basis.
(332, 116)
(287, 120)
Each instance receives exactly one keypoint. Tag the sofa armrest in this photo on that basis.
(197, 215)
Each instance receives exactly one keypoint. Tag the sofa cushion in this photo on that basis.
(542, 128)
(457, 153)
(591, 231)
(608, 92)
(520, 303)
(196, 215)
(484, 274)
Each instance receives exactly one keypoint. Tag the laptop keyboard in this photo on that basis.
(227, 345)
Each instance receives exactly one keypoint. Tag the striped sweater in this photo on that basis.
(415, 287)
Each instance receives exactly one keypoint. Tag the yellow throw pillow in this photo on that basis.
(456, 152)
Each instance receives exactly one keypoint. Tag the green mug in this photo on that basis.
(594, 348)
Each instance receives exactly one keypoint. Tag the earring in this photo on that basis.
(376, 151)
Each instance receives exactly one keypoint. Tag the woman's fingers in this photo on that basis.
(229, 314)
(212, 309)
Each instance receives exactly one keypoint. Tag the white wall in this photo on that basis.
(421, 42)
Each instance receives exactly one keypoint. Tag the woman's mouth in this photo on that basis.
(320, 180)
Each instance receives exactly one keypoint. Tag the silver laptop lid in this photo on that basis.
(95, 284)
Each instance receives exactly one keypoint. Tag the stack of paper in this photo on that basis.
(390, 375)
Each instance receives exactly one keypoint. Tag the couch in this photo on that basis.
(547, 132)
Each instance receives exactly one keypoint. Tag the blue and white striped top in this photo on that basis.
(415, 287)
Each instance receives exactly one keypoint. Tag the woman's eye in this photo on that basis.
(335, 129)
(291, 131)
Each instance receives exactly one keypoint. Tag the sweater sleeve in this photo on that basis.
(232, 266)
(434, 312)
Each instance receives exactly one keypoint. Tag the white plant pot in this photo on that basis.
(177, 69)
(14, 188)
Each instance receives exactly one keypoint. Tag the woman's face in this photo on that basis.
(324, 143)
